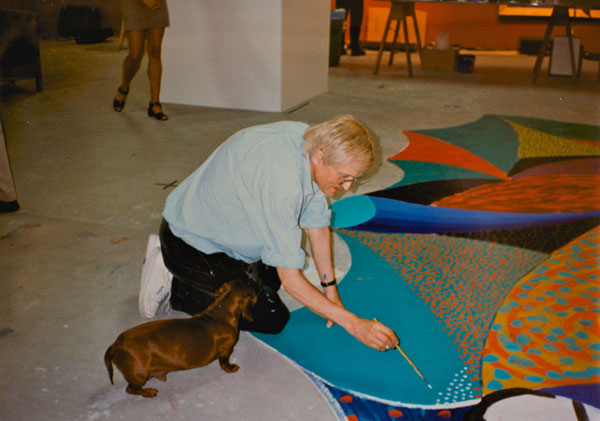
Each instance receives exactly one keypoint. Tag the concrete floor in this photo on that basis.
(90, 184)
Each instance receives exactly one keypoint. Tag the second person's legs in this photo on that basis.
(356, 18)
(154, 38)
(131, 64)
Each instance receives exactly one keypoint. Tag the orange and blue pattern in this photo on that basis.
(547, 332)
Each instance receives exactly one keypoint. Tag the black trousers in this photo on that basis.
(353, 7)
(197, 276)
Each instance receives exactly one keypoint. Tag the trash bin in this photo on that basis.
(335, 36)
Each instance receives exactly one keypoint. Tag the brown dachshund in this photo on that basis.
(156, 348)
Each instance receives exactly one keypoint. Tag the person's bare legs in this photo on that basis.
(131, 64)
(154, 38)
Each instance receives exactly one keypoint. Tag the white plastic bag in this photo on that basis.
(155, 287)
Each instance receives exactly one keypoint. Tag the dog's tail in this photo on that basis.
(108, 356)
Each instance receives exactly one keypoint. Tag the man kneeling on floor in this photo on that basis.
(240, 215)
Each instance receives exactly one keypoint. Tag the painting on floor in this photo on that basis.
(484, 259)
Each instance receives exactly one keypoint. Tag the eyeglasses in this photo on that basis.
(348, 179)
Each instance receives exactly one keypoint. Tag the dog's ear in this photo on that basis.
(248, 302)
(246, 313)
(224, 289)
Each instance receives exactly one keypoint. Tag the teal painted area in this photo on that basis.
(554, 375)
(338, 358)
(566, 360)
(351, 211)
(513, 347)
(536, 329)
(501, 374)
(560, 281)
(534, 379)
(490, 138)
(490, 358)
(418, 172)
(515, 360)
(558, 128)
(538, 318)
(586, 374)
(494, 385)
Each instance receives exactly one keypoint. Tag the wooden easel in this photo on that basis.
(398, 12)
(560, 16)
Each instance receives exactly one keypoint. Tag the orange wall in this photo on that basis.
(478, 26)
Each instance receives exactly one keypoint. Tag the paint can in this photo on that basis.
(465, 63)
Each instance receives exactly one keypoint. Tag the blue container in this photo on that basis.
(465, 63)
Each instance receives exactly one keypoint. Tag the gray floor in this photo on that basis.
(90, 183)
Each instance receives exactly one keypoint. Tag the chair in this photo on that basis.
(399, 11)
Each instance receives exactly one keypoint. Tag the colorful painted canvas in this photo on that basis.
(484, 260)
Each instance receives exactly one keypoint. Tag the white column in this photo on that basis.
(264, 55)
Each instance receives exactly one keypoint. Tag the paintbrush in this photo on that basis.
(411, 363)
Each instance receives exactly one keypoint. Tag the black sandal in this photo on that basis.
(159, 115)
(119, 105)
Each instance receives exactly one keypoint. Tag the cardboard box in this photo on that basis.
(439, 60)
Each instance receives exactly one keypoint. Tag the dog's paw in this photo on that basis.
(149, 392)
(230, 368)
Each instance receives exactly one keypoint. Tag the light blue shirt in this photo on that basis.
(251, 198)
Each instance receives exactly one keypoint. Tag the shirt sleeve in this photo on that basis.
(316, 213)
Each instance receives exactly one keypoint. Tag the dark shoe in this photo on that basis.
(355, 49)
(119, 105)
(6, 207)
(157, 115)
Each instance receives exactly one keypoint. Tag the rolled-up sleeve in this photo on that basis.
(316, 214)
